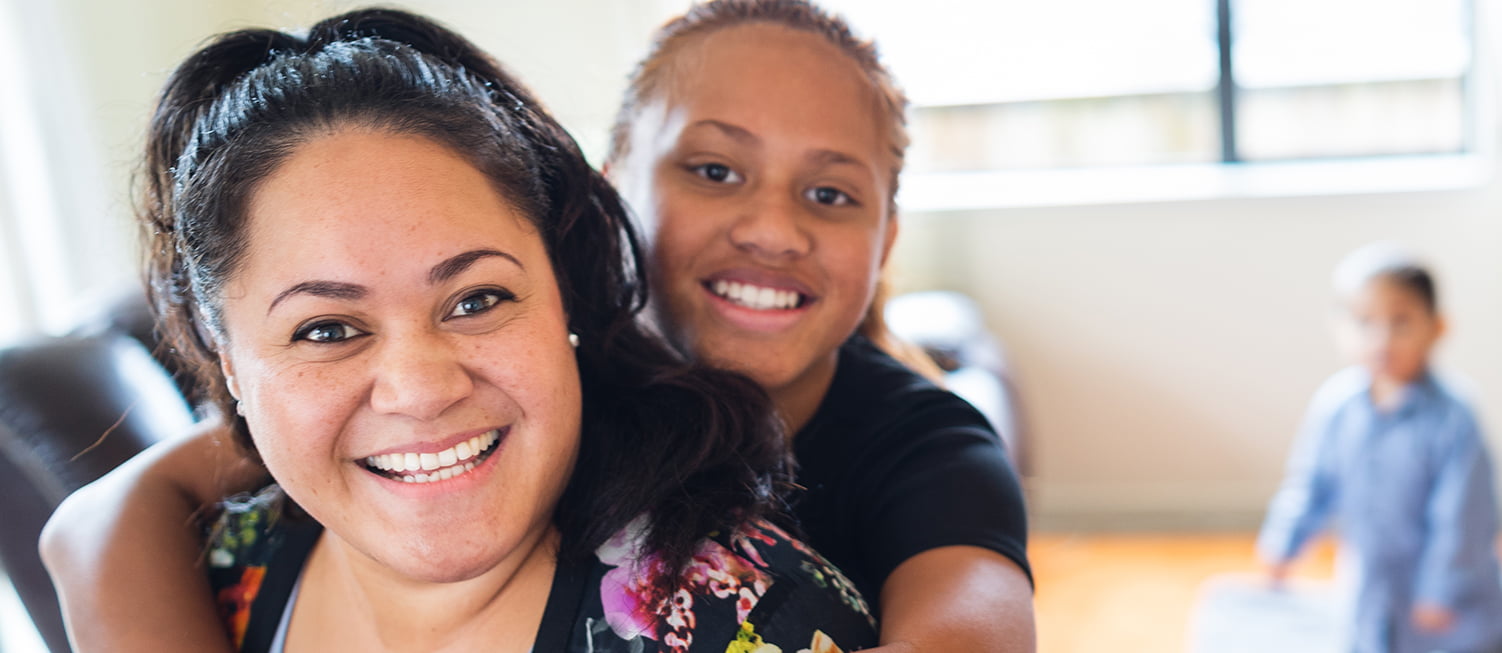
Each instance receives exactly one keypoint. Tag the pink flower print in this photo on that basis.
(744, 540)
(746, 603)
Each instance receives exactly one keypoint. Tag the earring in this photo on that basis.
(239, 408)
(573, 340)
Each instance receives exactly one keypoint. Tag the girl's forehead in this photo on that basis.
(775, 82)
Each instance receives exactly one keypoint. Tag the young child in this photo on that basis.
(1396, 455)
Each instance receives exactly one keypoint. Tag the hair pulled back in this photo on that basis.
(692, 448)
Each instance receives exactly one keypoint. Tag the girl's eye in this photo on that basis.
(717, 172)
(479, 302)
(327, 332)
(829, 196)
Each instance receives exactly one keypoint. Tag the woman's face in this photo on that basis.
(398, 341)
(762, 172)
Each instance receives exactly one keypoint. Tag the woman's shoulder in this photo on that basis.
(754, 589)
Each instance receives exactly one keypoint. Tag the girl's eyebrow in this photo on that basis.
(443, 271)
(735, 132)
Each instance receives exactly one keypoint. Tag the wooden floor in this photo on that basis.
(1122, 592)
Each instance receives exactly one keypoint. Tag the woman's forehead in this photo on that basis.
(371, 190)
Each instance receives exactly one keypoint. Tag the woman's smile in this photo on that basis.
(426, 467)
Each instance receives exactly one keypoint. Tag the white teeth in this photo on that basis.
(757, 297)
(439, 466)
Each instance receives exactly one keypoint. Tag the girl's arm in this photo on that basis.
(957, 598)
(125, 551)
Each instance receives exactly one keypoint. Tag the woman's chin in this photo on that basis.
(438, 564)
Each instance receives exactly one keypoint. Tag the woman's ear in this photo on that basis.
(227, 367)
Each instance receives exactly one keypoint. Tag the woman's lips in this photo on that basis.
(413, 467)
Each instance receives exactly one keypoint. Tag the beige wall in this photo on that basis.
(1165, 350)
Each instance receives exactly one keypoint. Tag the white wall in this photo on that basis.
(1166, 350)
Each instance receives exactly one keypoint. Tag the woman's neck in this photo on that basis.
(348, 601)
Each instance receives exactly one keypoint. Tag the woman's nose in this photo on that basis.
(772, 226)
(419, 376)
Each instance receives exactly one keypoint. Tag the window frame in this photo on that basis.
(1232, 177)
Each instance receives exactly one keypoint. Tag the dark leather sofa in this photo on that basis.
(72, 408)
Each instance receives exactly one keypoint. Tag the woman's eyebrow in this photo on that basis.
(453, 265)
(331, 289)
(443, 271)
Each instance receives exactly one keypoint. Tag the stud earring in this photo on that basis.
(573, 340)
(239, 408)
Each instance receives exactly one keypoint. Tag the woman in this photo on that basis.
(761, 143)
(477, 430)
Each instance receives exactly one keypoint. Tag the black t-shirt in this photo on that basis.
(894, 466)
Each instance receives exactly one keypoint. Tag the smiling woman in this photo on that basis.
(379, 252)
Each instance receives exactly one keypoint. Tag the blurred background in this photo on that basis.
(1145, 200)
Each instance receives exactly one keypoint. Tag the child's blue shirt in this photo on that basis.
(1411, 489)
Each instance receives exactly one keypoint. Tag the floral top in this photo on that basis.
(757, 590)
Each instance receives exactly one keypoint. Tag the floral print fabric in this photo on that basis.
(756, 590)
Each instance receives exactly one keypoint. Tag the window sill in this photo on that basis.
(968, 191)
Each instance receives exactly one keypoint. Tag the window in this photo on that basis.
(1342, 78)
(1014, 85)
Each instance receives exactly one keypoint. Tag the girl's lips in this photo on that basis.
(761, 298)
(755, 318)
(759, 289)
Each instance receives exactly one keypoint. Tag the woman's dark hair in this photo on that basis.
(694, 449)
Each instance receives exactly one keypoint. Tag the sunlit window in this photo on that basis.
(1350, 77)
(1073, 83)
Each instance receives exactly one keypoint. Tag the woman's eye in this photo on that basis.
(327, 332)
(479, 302)
(716, 172)
(829, 196)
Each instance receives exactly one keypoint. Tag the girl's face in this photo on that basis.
(1388, 329)
(398, 341)
(762, 172)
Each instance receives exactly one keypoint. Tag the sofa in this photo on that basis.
(73, 407)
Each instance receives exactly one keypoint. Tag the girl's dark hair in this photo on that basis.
(692, 448)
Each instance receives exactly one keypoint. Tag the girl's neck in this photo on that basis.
(797, 401)
(349, 602)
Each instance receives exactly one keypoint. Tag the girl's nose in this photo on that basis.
(419, 376)
(772, 226)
